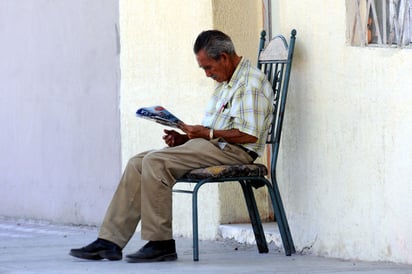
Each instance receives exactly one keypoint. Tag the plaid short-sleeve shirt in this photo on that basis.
(244, 103)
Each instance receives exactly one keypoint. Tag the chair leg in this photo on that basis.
(254, 217)
(281, 218)
(195, 229)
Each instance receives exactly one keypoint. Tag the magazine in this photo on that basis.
(160, 115)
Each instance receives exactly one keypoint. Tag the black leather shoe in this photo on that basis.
(98, 250)
(154, 251)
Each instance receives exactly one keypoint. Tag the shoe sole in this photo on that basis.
(104, 254)
(163, 258)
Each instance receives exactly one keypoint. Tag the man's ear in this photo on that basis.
(224, 57)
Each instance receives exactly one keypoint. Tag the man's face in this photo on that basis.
(215, 69)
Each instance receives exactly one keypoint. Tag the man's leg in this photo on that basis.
(160, 169)
(121, 217)
(124, 211)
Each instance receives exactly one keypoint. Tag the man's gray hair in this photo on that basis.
(214, 43)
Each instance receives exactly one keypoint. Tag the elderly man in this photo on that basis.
(233, 131)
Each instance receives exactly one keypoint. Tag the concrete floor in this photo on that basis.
(39, 247)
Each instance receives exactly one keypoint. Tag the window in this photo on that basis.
(380, 22)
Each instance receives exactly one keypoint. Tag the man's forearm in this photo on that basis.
(234, 136)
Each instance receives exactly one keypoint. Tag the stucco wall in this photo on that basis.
(345, 163)
(243, 23)
(159, 68)
(59, 115)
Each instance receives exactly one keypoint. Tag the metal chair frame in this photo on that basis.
(275, 61)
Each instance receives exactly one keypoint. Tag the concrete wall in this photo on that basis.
(346, 155)
(59, 108)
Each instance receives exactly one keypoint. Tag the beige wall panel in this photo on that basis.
(242, 21)
(159, 68)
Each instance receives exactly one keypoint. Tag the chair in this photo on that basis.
(275, 60)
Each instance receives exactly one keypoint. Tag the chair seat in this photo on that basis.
(227, 171)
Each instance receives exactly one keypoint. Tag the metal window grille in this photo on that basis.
(380, 22)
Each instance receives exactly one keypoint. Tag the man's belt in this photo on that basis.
(251, 153)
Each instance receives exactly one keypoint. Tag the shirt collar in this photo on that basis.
(235, 75)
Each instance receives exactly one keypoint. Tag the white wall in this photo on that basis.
(59, 108)
(346, 153)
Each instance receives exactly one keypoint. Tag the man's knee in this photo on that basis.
(135, 161)
(151, 159)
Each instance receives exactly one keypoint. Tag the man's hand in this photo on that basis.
(196, 131)
(173, 138)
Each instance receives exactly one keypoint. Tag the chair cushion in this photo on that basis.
(226, 171)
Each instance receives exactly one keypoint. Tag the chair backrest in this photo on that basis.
(275, 60)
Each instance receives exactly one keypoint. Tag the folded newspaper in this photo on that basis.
(160, 115)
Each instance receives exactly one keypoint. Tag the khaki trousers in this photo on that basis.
(145, 189)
